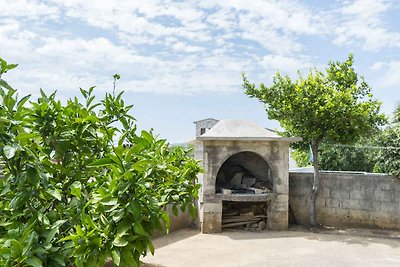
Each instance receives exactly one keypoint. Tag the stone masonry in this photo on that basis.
(348, 199)
(226, 139)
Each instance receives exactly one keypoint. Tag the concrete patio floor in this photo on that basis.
(289, 248)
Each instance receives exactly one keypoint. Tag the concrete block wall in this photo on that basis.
(348, 199)
(182, 221)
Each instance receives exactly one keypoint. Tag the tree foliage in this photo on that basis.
(389, 155)
(335, 106)
(361, 156)
(81, 186)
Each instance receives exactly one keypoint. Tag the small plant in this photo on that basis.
(81, 186)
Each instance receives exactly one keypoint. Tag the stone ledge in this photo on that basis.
(246, 197)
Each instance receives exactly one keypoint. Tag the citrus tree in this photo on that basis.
(81, 187)
(335, 106)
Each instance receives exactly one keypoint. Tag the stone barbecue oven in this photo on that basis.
(244, 165)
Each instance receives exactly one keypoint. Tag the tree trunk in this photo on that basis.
(314, 190)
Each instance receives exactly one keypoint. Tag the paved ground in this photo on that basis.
(289, 248)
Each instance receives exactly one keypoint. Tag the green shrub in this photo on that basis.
(80, 185)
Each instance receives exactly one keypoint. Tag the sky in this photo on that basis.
(182, 61)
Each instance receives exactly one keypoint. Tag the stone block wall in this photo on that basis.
(348, 199)
(182, 221)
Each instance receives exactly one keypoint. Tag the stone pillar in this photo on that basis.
(212, 217)
(277, 213)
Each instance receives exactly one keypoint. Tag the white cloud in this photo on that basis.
(377, 65)
(285, 65)
(182, 47)
(31, 9)
(161, 46)
(362, 24)
(15, 40)
(389, 73)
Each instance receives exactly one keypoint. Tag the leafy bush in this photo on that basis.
(361, 156)
(80, 185)
(389, 156)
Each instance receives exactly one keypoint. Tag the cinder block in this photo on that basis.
(332, 202)
(390, 207)
(356, 194)
(387, 196)
(326, 212)
(350, 204)
(369, 204)
(332, 182)
(323, 192)
(303, 190)
(380, 216)
(342, 213)
(386, 185)
(359, 215)
(370, 193)
(320, 202)
(346, 182)
(297, 200)
(339, 193)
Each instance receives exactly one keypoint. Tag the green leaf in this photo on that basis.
(9, 151)
(118, 215)
(26, 136)
(4, 120)
(21, 103)
(60, 260)
(151, 247)
(4, 84)
(147, 136)
(16, 248)
(120, 242)
(175, 210)
(116, 257)
(138, 229)
(17, 201)
(127, 259)
(76, 189)
(102, 162)
(123, 228)
(54, 230)
(34, 261)
(192, 211)
(55, 193)
(109, 201)
(11, 66)
(166, 219)
(28, 230)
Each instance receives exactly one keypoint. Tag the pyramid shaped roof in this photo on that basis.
(242, 130)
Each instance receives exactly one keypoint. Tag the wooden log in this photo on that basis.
(234, 224)
(231, 220)
(229, 213)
